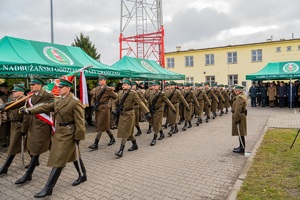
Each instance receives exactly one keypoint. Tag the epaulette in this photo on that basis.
(162, 92)
(75, 98)
(134, 91)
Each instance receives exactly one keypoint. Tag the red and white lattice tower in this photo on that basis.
(141, 30)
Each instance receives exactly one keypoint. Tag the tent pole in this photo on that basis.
(75, 88)
(291, 92)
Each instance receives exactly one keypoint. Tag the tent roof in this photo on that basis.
(146, 69)
(277, 71)
(22, 58)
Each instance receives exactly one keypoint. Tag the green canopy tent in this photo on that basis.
(278, 71)
(145, 69)
(20, 58)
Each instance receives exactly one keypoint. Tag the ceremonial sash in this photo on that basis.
(44, 117)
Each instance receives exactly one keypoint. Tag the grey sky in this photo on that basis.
(188, 23)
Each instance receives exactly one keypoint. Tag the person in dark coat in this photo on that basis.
(69, 130)
(253, 92)
(281, 94)
(263, 94)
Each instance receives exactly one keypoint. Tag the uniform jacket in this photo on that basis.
(68, 109)
(253, 91)
(238, 116)
(192, 101)
(127, 115)
(103, 113)
(39, 132)
(272, 92)
(175, 100)
(201, 98)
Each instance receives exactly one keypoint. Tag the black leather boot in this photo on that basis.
(214, 115)
(134, 146)
(190, 124)
(165, 125)
(162, 135)
(121, 150)
(95, 145)
(184, 127)
(149, 130)
(47, 191)
(221, 113)
(153, 140)
(112, 140)
(82, 177)
(171, 131)
(226, 111)
(242, 147)
(28, 174)
(139, 132)
(206, 119)
(176, 129)
(4, 168)
(37, 164)
(198, 121)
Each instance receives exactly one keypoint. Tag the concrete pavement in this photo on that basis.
(195, 164)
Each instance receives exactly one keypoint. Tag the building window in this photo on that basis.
(209, 59)
(232, 79)
(189, 61)
(170, 63)
(289, 48)
(210, 79)
(189, 80)
(232, 57)
(257, 55)
(278, 49)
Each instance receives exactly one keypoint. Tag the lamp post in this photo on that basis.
(51, 16)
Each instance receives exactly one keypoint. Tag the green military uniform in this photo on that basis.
(127, 116)
(147, 95)
(175, 97)
(156, 109)
(212, 97)
(191, 100)
(201, 98)
(221, 99)
(227, 99)
(239, 119)
(215, 102)
(102, 96)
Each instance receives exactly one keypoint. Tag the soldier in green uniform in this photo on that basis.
(6, 96)
(227, 99)
(202, 98)
(126, 100)
(15, 129)
(137, 107)
(156, 101)
(113, 126)
(181, 107)
(100, 103)
(215, 102)
(210, 94)
(175, 97)
(190, 98)
(239, 118)
(221, 99)
(167, 92)
(69, 130)
(37, 127)
(147, 95)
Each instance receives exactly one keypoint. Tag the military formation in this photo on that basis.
(40, 122)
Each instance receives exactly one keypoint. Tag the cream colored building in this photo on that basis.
(230, 64)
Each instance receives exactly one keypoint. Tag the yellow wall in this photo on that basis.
(244, 64)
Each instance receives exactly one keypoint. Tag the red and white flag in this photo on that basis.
(83, 90)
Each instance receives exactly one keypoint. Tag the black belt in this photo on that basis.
(66, 123)
(103, 103)
(175, 103)
(16, 120)
(128, 109)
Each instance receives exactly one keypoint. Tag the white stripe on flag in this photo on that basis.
(83, 90)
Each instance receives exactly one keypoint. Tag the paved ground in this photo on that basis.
(195, 164)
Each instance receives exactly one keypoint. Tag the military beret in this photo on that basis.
(213, 84)
(127, 81)
(186, 84)
(206, 83)
(4, 85)
(172, 83)
(238, 87)
(64, 82)
(167, 84)
(199, 85)
(134, 83)
(102, 77)
(156, 83)
(150, 83)
(19, 87)
(36, 80)
(226, 86)
(221, 85)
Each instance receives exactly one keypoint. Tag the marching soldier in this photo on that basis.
(167, 92)
(112, 106)
(137, 108)
(38, 127)
(126, 100)
(211, 95)
(239, 118)
(201, 97)
(69, 130)
(15, 130)
(221, 99)
(100, 103)
(6, 96)
(156, 100)
(227, 99)
(190, 98)
(175, 97)
(147, 95)
(181, 107)
(214, 103)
